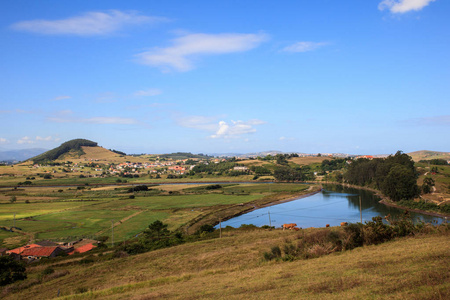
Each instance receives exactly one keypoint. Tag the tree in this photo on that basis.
(400, 183)
(288, 174)
(13, 199)
(11, 270)
(157, 230)
(428, 182)
(281, 159)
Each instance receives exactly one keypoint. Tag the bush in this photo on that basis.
(353, 236)
(206, 228)
(274, 253)
(11, 270)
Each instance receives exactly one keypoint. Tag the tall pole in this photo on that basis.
(360, 208)
(220, 227)
(14, 220)
(270, 221)
(112, 232)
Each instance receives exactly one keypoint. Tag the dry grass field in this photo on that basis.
(424, 154)
(303, 161)
(233, 268)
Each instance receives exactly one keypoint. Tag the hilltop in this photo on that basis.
(73, 146)
(427, 155)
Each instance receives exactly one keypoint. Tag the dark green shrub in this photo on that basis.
(375, 232)
(353, 237)
(11, 270)
(206, 228)
(47, 271)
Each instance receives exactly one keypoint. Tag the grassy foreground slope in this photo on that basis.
(232, 268)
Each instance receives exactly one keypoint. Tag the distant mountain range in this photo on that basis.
(20, 155)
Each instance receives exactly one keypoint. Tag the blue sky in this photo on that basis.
(359, 77)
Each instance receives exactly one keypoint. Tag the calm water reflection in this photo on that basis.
(335, 204)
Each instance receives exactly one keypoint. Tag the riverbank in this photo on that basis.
(217, 216)
(386, 201)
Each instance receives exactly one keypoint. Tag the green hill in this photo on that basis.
(72, 145)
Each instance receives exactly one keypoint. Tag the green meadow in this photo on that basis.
(68, 213)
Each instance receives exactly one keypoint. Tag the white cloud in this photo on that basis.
(283, 138)
(148, 93)
(235, 128)
(25, 140)
(221, 129)
(179, 56)
(61, 98)
(87, 24)
(304, 46)
(403, 6)
(3, 141)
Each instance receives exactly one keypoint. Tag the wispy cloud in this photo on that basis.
(88, 24)
(3, 141)
(198, 122)
(59, 98)
(304, 46)
(431, 121)
(403, 6)
(236, 128)
(25, 140)
(147, 93)
(48, 139)
(28, 140)
(283, 138)
(66, 116)
(179, 56)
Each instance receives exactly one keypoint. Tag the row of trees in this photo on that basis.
(395, 175)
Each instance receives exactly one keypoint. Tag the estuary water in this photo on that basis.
(333, 205)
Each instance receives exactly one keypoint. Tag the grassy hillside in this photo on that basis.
(427, 155)
(232, 268)
(72, 145)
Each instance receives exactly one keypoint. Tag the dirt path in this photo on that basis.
(120, 222)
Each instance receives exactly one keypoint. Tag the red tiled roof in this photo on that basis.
(39, 251)
(21, 249)
(82, 249)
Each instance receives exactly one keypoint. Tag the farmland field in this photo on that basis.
(65, 213)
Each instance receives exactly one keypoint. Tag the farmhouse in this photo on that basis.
(40, 252)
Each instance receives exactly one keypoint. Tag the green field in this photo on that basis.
(68, 213)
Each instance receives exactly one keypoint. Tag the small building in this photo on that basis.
(40, 252)
(82, 249)
(240, 168)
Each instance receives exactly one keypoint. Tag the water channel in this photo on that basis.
(333, 205)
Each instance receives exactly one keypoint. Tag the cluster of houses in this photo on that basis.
(48, 249)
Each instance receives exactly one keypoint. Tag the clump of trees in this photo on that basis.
(64, 148)
(11, 270)
(156, 236)
(395, 176)
(285, 173)
(436, 161)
